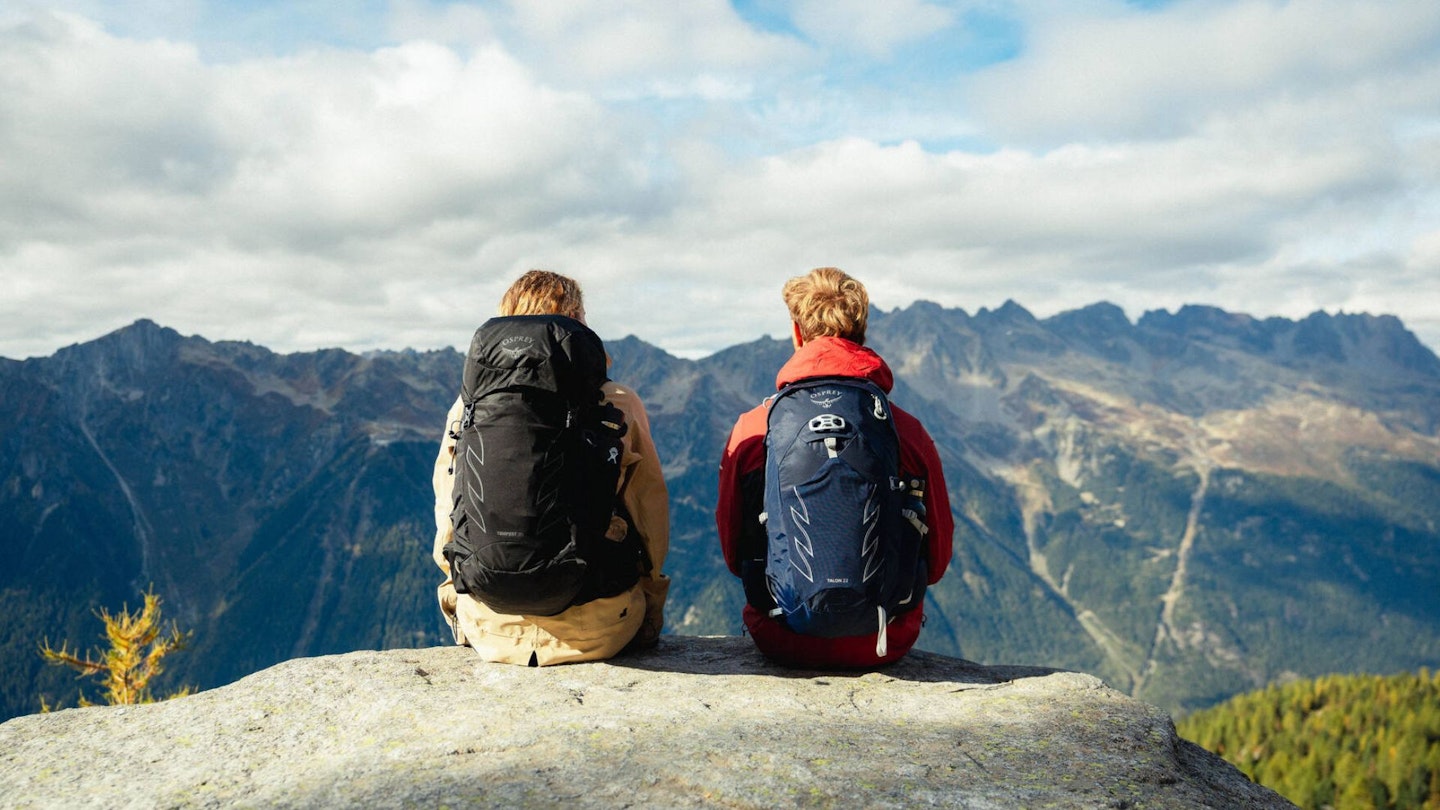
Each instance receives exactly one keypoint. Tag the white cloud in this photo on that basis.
(142, 18)
(1114, 74)
(189, 188)
(1078, 210)
(454, 24)
(88, 120)
(681, 163)
(632, 48)
(875, 29)
(372, 144)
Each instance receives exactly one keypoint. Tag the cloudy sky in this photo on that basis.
(313, 173)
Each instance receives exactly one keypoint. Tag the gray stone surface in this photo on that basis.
(697, 722)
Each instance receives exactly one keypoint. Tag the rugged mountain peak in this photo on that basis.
(130, 349)
(1010, 311)
(644, 365)
(746, 371)
(1011, 329)
(1357, 343)
(1114, 500)
(929, 344)
(1212, 325)
(140, 327)
(1101, 328)
(142, 333)
(1100, 318)
(921, 320)
(695, 721)
(927, 309)
(1371, 343)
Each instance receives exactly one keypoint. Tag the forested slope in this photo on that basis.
(1342, 741)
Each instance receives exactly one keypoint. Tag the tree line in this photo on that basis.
(1348, 742)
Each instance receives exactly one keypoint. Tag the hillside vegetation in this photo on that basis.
(1188, 506)
(1344, 741)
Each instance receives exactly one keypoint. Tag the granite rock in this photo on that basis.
(695, 722)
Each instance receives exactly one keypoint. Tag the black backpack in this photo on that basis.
(537, 461)
(844, 530)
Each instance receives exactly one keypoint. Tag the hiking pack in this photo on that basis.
(844, 530)
(537, 463)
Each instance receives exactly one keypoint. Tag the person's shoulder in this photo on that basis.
(902, 415)
(611, 388)
(757, 415)
(907, 424)
(748, 433)
(622, 396)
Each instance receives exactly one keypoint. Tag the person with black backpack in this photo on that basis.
(552, 516)
(832, 508)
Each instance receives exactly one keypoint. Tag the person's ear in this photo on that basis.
(795, 335)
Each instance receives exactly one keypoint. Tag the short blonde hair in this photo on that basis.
(828, 302)
(541, 292)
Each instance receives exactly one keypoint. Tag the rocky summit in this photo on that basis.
(696, 722)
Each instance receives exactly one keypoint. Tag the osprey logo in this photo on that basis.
(826, 397)
(516, 345)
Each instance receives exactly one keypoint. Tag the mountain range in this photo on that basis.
(1189, 505)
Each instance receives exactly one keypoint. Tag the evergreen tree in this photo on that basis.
(1343, 742)
(138, 644)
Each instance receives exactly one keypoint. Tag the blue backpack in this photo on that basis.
(844, 530)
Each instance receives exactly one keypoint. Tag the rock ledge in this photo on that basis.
(696, 722)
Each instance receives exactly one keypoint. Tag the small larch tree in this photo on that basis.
(138, 644)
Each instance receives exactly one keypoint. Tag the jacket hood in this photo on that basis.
(835, 357)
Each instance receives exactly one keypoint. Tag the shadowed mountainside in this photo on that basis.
(1188, 506)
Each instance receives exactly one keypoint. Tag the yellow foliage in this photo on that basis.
(138, 645)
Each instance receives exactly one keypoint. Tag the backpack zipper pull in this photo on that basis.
(881, 643)
(453, 431)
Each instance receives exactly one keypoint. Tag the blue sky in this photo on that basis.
(373, 174)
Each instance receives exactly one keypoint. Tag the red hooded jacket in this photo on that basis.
(737, 516)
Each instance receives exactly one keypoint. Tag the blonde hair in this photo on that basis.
(541, 292)
(828, 302)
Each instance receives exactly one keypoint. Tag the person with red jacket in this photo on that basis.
(828, 312)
